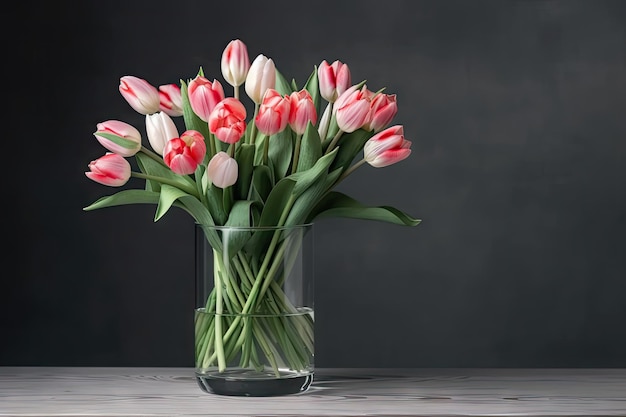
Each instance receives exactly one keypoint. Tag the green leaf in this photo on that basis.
(349, 146)
(336, 204)
(262, 181)
(125, 197)
(282, 85)
(192, 121)
(149, 166)
(118, 140)
(240, 216)
(304, 179)
(279, 152)
(309, 198)
(310, 148)
(167, 197)
(277, 201)
(245, 162)
(312, 86)
(215, 203)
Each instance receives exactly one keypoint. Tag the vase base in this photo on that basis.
(240, 383)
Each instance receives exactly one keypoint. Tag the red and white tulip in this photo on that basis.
(302, 111)
(204, 95)
(111, 169)
(184, 154)
(118, 137)
(333, 79)
(387, 147)
(235, 63)
(352, 108)
(170, 100)
(140, 94)
(228, 120)
(273, 114)
(383, 109)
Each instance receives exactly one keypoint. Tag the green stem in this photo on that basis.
(349, 171)
(212, 149)
(296, 154)
(236, 91)
(186, 188)
(219, 341)
(153, 155)
(332, 144)
(266, 149)
(253, 128)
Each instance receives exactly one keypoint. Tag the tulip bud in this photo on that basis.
(261, 76)
(204, 96)
(140, 94)
(111, 169)
(387, 147)
(184, 154)
(302, 111)
(333, 80)
(383, 109)
(118, 137)
(273, 113)
(228, 120)
(160, 128)
(171, 101)
(222, 170)
(235, 63)
(352, 109)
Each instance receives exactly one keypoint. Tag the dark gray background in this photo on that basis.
(516, 110)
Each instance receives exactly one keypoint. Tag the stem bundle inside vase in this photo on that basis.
(248, 319)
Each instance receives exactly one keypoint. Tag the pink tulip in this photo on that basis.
(352, 108)
(111, 169)
(204, 96)
(387, 147)
(273, 113)
(261, 76)
(302, 111)
(140, 94)
(383, 109)
(228, 120)
(333, 79)
(171, 101)
(184, 154)
(235, 63)
(160, 128)
(222, 170)
(118, 137)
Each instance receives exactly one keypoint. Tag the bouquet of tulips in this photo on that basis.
(279, 168)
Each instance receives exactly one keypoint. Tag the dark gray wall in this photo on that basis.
(516, 110)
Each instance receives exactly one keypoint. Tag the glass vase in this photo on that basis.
(254, 317)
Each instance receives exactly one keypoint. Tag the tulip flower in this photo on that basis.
(160, 128)
(383, 109)
(184, 154)
(273, 113)
(333, 80)
(222, 170)
(302, 111)
(235, 63)
(118, 137)
(261, 76)
(171, 101)
(352, 108)
(111, 169)
(140, 94)
(387, 147)
(228, 120)
(204, 96)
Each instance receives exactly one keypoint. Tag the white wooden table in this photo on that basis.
(48, 391)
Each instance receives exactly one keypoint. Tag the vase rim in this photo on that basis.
(261, 228)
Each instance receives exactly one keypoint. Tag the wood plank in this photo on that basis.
(53, 391)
